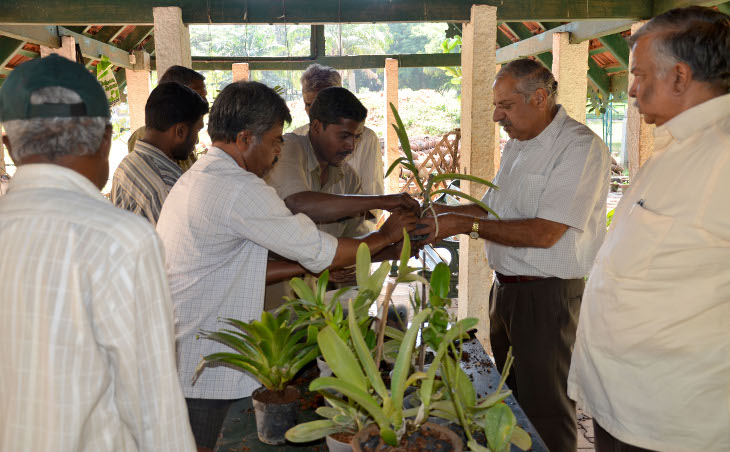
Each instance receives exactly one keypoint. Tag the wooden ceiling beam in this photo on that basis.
(8, 48)
(616, 44)
(119, 12)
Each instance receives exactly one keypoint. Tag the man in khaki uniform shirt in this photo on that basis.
(312, 177)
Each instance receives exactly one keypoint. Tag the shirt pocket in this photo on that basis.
(529, 194)
(634, 242)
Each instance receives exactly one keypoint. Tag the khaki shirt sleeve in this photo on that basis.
(136, 135)
(289, 176)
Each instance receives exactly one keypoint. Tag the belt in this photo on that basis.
(507, 279)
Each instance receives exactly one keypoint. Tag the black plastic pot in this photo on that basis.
(276, 412)
(438, 439)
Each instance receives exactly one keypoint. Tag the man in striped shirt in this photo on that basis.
(87, 356)
(173, 117)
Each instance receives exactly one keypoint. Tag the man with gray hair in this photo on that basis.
(651, 362)
(551, 202)
(366, 159)
(86, 321)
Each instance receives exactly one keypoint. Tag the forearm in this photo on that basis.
(527, 233)
(347, 248)
(326, 207)
(277, 271)
(471, 210)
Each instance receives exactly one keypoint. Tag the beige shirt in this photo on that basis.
(87, 356)
(560, 175)
(652, 355)
(367, 161)
(298, 170)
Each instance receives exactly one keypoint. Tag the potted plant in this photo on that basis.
(273, 352)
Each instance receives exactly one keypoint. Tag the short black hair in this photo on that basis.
(332, 105)
(246, 106)
(172, 103)
(181, 75)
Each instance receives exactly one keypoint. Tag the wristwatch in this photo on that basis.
(475, 229)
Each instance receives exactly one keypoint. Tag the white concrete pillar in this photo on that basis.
(639, 134)
(478, 64)
(570, 68)
(67, 49)
(241, 72)
(172, 39)
(138, 88)
(391, 138)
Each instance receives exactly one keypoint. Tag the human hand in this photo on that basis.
(437, 234)
(393, 226)
(402, 201)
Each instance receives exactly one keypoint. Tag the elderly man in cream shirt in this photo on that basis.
(652, 355)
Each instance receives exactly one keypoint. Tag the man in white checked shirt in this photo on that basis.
(553, 182)
(219, 223)
(87, 359)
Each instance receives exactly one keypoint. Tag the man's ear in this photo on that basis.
(6, 142)
(181, 131)
(540, 98)
(106, 143)
(316, 126)
(681, 75)
(244, 139)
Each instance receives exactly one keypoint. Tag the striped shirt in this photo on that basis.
(143, 180)
(561, 175)
(87, 358)
(218, 224)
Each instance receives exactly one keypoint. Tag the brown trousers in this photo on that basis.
(538, 319)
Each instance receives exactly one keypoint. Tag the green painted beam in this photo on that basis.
(337, 62)
(521, 31)
(108, 33)
(613, 70)
(317, 41)
(117, 12)
(37, 34)
(502, 39)
(26, 53)
(661, 6)
(83, 29)
(597, 51)
(135, 38)
(550, 25)
(616, 44)
(150, 46)
(579, 31)
(598, 76)
(724, 8)
(8, 48)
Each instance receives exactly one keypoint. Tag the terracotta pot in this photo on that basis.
(275, 413)
(430, 437)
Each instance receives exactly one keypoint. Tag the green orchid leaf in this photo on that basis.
(322, 286)
(365, 357)
(357, 395)
(405, 254)
(395, 163)
(440, 280)
(469, 177)
(362, 264)
(302, 290)
(498, 426)
(475, 447)
(468, 197)
(327, 411)
(340, 358)
(521, 438)
(312, 431)
(375, 282)
(403, 363)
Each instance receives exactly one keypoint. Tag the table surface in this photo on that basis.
(239, 429)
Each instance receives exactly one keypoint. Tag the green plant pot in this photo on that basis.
(429, 438)
(275, 413)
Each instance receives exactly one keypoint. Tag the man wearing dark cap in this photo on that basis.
(88, 360)
(173, 117)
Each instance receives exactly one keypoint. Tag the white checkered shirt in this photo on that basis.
(87, 358)
(218, 224)
(561, 175)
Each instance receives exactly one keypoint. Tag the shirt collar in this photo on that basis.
(154, 152)
(335, 172)
(696, 118)
(47, 175)
(549, 134)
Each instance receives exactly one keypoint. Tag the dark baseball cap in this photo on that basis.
(53, 70)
